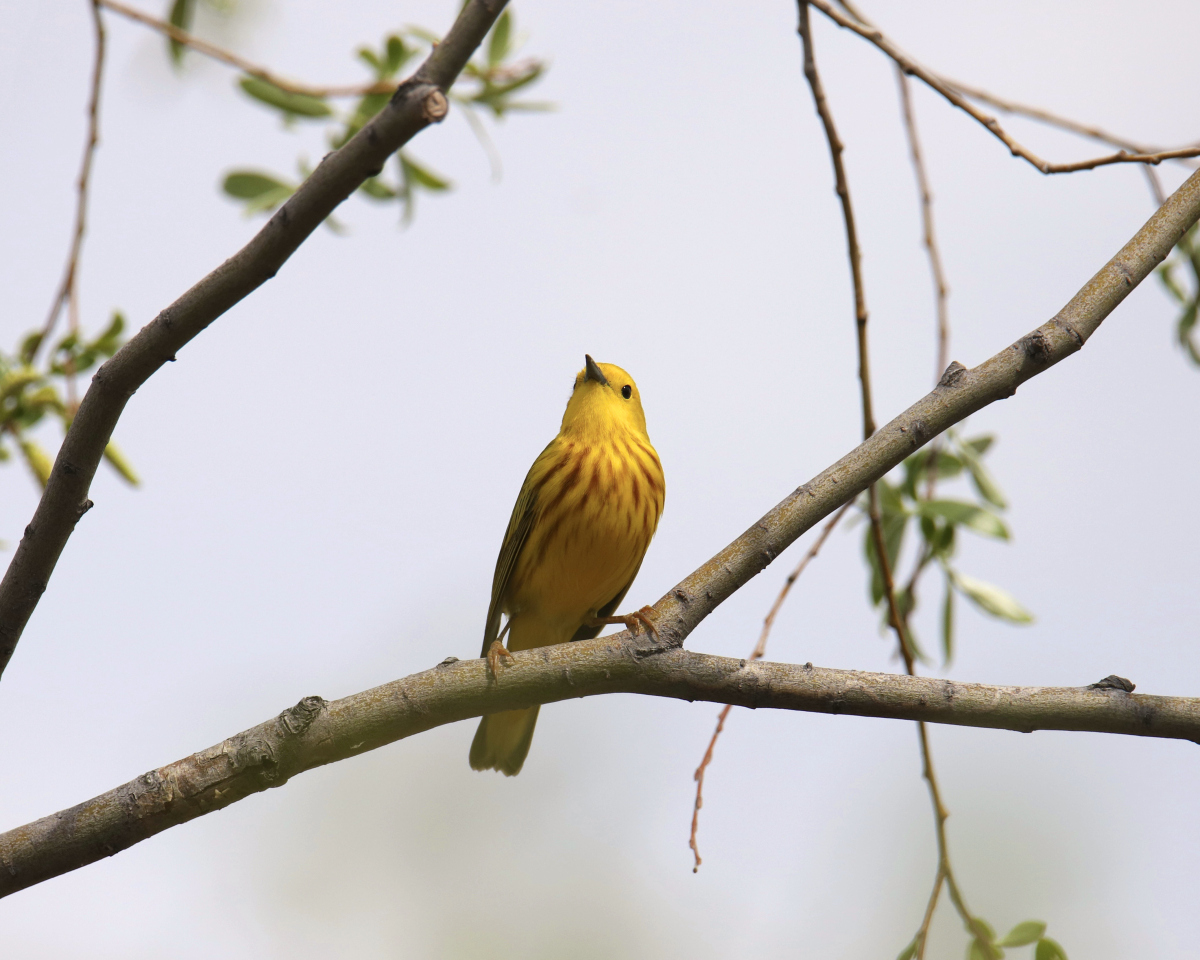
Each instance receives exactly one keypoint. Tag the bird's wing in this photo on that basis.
(519, 524)
(587, 633)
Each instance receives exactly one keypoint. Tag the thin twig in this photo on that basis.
(241, 63)
(896, 618)
(911, 67)
(843, 192)
(1050, 119)
(757, 653)
(929, 236)
(1073, 126)
(67, 291)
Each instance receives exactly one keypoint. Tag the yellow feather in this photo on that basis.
(582, 523)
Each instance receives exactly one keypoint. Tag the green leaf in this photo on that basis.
(118, 462)
(1048, 949)
(367, 56)
(1166, 273)
(965, 514)
(110, 340)
(17, 381)
(248, 185)
(977, 951)
(292, 104)
(500, 42)
(398, 54)
(987, 928)
(376, 189)
(29, 346)
(259, 191)
(180, 16)
(982, 479)
(890, 502)
(423, 176)
(1023, 934)
(981, 444)
(917, 467)
(991, 599)
(45, 398)
(948, 622)
(908, 952)
(37, 460)
(942, 543)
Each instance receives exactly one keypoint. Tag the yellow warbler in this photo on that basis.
(584, 518)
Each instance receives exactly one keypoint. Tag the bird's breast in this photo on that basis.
(598, 507)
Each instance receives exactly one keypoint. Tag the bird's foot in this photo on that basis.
(634, 622)
(496, 652)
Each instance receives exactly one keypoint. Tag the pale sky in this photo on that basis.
(329, 468)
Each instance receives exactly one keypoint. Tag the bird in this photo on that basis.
(582, 523)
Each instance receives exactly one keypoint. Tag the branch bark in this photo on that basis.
(417, 103)
(231, 59)
(950, 92)
(314, 733)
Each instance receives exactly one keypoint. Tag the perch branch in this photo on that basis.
(314, 733)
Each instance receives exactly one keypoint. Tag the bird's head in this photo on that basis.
(605, 399)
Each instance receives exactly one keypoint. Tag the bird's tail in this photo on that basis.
(502, 741)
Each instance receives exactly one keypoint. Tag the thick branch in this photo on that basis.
(419, 102)
(960, 393)
(314, 732)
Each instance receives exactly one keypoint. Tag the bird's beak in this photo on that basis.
(593, 371)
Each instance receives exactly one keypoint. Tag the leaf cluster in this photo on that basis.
(913, 502)
(1186, 259)
(489, 84)
(985, 946)
(30, 392)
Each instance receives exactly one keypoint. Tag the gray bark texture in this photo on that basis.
(314, 732)
(418, 102)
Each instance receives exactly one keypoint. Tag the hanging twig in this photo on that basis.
(912, 68)
(757, 653)
(67, 292)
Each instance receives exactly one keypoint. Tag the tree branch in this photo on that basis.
(1042, 115)
(911, 67)
(314, 733)
(67, 288)
(417, 103)
(842, 188)
(231, 59)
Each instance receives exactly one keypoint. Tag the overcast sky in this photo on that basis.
(329, 468)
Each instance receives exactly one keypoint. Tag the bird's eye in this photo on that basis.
(627, 391)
